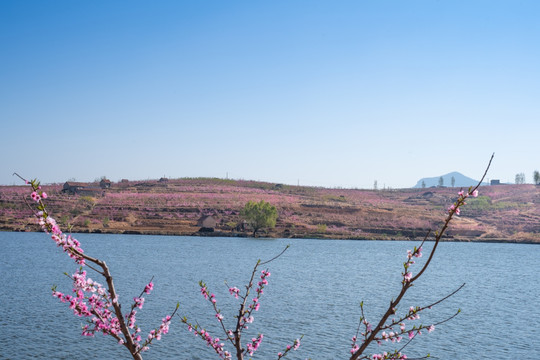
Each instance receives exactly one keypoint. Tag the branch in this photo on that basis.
(407, 284)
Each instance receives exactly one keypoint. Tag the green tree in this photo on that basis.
(259, 215)
(520, 178)
(441, 181)
(536, 177)
(423, 184)
(453, 181)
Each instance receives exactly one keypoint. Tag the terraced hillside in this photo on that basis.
(500, 213)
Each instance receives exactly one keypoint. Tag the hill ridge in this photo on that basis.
(460, 180)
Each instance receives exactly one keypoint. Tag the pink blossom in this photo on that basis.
(204, 292)
(149, 287)
(408, 276)
(234, 291)
(139, 302)
(454, 208)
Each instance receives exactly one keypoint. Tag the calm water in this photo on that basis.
(315, 289)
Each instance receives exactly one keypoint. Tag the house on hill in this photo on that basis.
(105, 184)
(207, 223)
(72, 187)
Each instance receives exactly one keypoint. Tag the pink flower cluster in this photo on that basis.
(97, 306)
(245, 317)
(454, 208)
(396, 336)
(156, 333)
(138, 302)
(254, 345)
(388, 331)
(294, 346)
(368, 330)
(254, 305)
(68, 244)
(416, 253)
(149, 288)
(36, 197)
(207, 296)
(392, 336)
(205, 335)
(234, 291)
(413, 313)
(91, 300)
(264, 281)
(386, 356)
(49, 225)
(215, 343)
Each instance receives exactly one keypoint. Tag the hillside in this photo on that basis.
(500, 213)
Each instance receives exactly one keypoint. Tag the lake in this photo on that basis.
(315, 290)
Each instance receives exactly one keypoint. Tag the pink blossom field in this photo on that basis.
(500, 213)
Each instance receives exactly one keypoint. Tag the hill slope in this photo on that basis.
(500, 213)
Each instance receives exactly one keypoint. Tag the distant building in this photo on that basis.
(163, 179)
(72, 187)
(495, 182)
(105, 184)
(207, 223)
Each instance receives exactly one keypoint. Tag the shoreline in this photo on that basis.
(295, 236)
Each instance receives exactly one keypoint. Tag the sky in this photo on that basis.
(318, 93)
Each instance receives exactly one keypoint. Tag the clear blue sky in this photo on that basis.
(325, 93)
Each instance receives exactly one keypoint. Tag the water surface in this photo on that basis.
(314, 289)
